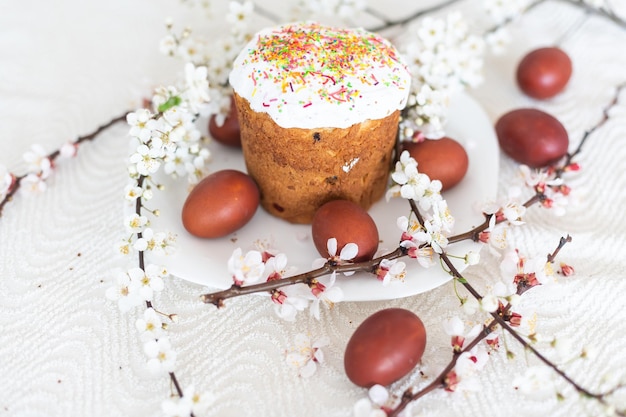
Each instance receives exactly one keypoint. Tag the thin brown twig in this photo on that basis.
(605, 117)
(179, 390)
(217, 298)
(54, 155)
(440, 381)
(499, 318)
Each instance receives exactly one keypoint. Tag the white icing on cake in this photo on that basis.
(313, 76)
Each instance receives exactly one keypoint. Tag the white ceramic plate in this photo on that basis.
(205, 261)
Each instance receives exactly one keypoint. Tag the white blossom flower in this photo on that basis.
(161, 356)
(472, 258)
(503, 10)
(468, 364)
(176, 407)
(150, 326)
(37, 161)
(200, 401)
(247, 269)
(146, 159)
(150, 280)
(390, 269)
(435, 236)
(239, 15)
(306, 354)
(132, 191)
(442, 217)
(536, 382)
(192, 49)
(411, 184)
(508, 211)
(68, 150)
(413, 237)
(196, 93)
(291, 300)
(489, 303)
(470, 305)
(498, 40)
(377, 397)
(431, 31)
(348, 252)
(124, 246)
(125, 291)
(276, 267)
(455, 328)
(147, 194)
(190, 402)
(160, 243)
(325, 292)
(525, 272)
(141, 124)
(443, 58)
(538, 177)
(175, 161)
(32, 184)
(135, 223)
(168, 45)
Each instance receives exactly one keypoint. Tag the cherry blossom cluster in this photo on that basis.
(306, 354)
(443, 58)
(421, 237)
(168, 136)
(472, 345)
(165, 139)
(502, 12)
(216, 54)
(39, 166)
(519, 274)
(264, 265)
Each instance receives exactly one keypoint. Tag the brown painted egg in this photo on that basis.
(348, 223)
(442, 159)
(220, 204)
(385, 347)
(532, 137)
(228, 133)
(544, 72)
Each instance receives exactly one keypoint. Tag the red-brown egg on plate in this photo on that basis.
(228, 133)
(348, 223)
(442, 159)
(532, 137)
(220, 204)
(385, 347)
(544, 72)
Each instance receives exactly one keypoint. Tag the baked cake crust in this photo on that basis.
(298, 170)
(318, 109)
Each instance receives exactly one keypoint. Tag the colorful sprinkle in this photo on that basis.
(313, 54)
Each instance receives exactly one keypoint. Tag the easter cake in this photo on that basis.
(318, 108)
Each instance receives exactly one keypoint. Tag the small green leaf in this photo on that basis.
(171, 102)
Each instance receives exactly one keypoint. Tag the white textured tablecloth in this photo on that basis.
(68, 66)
